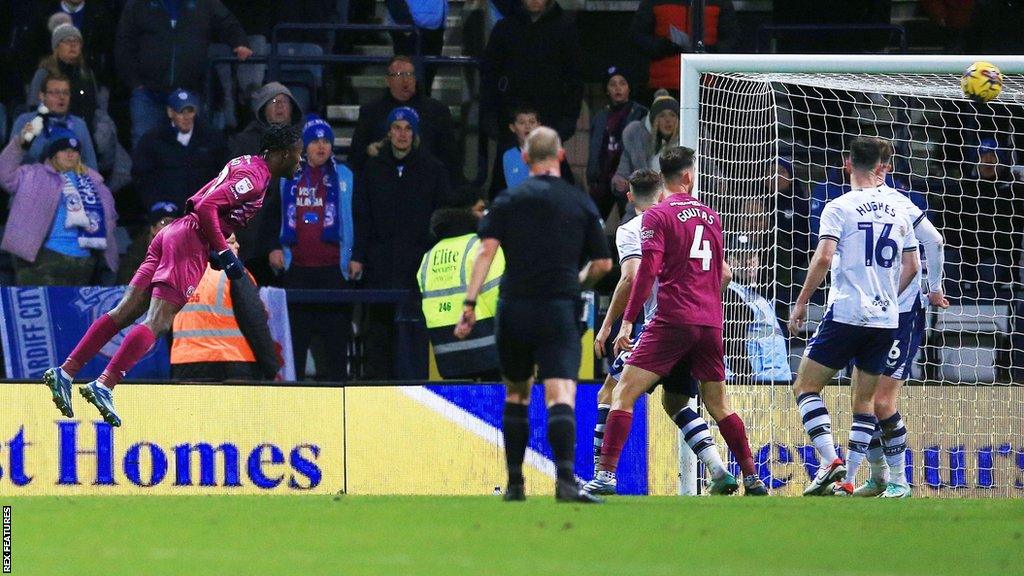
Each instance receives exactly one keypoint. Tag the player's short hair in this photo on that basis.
(676, 160)
(542, 144)
(279, 137)
(520, 111)
(865, 153)
(645, 184)
(885, 150)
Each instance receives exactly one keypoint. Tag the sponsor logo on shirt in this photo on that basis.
(242, 186)
(646, 234)
(307, 197)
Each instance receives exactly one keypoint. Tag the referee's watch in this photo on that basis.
(470, 303)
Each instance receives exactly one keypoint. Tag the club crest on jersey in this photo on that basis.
(242, 186)
(646, 234)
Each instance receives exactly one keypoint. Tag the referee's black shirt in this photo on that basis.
(546, 228)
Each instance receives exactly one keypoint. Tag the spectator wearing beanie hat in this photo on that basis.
(62, 219)
(643, 140)
(97, 26)
(307, 232)
(395, 196)
(606, 128)
(68, 59)
(172, 161)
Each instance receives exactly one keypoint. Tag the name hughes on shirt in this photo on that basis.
(872, 207)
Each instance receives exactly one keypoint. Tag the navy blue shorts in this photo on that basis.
(538, 336)
(678, 381)
(835, 345)
(899, 362)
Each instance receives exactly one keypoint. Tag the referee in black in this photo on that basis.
(547, 229)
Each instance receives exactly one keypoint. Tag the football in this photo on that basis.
(982, 82)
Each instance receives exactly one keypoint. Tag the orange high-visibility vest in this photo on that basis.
(205, 329)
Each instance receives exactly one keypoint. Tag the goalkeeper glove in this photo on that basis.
(230, 263)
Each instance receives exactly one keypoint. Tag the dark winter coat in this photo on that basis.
(437, 131)
(392, 215)
(534, 64)
(152, 54)
(164, 170)
(98, 28)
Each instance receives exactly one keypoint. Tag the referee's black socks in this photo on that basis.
(562, 437)
(515, 424)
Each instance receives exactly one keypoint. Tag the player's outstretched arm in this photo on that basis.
(816, 272)
(931, 239)
(619, 299)
(481, 267)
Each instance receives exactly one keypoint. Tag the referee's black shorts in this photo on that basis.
(541, 333)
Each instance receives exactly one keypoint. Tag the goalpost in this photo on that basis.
(770, 132)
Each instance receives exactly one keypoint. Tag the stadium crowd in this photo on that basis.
(114, 121)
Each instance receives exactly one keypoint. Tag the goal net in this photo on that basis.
(771, 133)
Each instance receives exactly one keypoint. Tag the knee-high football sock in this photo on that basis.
(735, 434)
(818, 425)
(515, 425)
(860, 437)
(894, 444)
(602, 418)
(98, 334)
(562, 437)
(616, 431)
(698, 438)
(879, 471)
(139, 340)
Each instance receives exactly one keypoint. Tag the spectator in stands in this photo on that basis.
(661, 28)
(643, 140)
(163, 45)
(68, 60)
(271, 104)
(308, 232)
(436, 130)
(510, 169)
(62, 220)
(430, 18)
(222, 333)
(982, 214)
(533, 59)
(97, 26)
(953, 17)
(606, 128)
(395, 195)
(440, 280)
(171, 162)
(160, 215)
(54, 114)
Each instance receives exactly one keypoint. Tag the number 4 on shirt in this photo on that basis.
(701, 249)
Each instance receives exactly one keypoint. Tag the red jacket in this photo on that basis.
(651, 31)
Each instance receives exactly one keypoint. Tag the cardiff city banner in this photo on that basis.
(174, 439)
(42, 324)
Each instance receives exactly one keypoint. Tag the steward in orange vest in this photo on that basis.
(222, 333)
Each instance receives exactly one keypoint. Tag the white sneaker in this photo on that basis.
(827, 475)
(603, 483)
(870, 489)
(893, 490)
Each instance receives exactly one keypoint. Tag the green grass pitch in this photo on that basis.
(356, 535)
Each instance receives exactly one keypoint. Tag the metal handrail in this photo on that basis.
(766, 32)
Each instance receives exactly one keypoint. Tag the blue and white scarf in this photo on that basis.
(338, 225)
(84, 210)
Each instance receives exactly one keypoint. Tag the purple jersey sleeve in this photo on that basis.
(231, 200)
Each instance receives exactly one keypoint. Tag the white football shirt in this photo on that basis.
(913, 293)
(872, 232)
(627, 241)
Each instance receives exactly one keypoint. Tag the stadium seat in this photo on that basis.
(304, 80)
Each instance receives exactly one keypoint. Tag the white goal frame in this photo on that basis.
(693, 65)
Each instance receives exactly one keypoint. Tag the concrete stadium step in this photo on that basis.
(387, 50)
